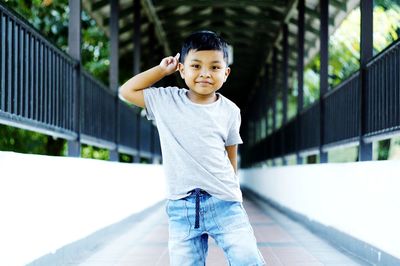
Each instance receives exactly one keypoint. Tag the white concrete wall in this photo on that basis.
(360, 199)
(47, 202)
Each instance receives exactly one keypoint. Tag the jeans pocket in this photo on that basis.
(179, 224)
(231, 216)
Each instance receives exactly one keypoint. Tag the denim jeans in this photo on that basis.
(225, 221)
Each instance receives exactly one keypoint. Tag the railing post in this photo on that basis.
(300, 73)
(114, 70)
(154, 159)
(263, 108)
(285, 92)
(136, 159)
(366, 46)
(154, 60)
(74, 50)
(267, 87)
(323, 79)
(136, 65)
(274, 95)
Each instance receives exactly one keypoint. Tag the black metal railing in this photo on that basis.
(128, 125)
(98, 125)
(37, 91)
(145, 143)
(309, 127)
(342, 116)
(383, 93)
(35, 80)
(289, 136)
(156, 147)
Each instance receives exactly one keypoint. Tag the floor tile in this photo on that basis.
(281, 241)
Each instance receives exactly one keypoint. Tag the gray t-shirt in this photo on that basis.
(193, 139)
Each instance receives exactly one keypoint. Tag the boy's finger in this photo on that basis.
(177, 56)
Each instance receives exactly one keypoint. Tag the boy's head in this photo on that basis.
(204, 62)
(204, 40)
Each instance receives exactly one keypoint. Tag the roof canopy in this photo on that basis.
(252, 27)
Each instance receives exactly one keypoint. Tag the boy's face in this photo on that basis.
(204, 72)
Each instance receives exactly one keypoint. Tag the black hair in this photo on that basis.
(204, 40)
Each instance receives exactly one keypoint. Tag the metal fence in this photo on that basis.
(309, 128)
(383, 93)
(98, 119)
(37, 92)
(35, 80)
(342, 115)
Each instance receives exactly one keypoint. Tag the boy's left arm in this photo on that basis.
(232, 155)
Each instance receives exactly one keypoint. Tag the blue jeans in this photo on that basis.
(225, 221)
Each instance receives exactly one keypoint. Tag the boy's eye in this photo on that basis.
(216, 67)
(195, 66)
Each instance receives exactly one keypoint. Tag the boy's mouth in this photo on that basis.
(204, 82)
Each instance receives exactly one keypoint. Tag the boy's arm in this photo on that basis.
(232, 155)
(132, 90)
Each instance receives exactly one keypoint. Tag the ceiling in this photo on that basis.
(252, 27)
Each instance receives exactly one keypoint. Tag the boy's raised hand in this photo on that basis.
(170, 64)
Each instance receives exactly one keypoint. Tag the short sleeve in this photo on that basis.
(233, 133)
(151, 95)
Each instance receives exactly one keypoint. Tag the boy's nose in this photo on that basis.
(204, 73)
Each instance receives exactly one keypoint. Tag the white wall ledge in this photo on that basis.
(47, 202)
(359, 199)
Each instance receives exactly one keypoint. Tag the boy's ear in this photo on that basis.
(181, 70)
(227, 72)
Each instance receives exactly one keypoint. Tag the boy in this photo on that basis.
(199, 134)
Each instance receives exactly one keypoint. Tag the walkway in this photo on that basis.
(281, 241)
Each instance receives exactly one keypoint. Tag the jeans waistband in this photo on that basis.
(197, 192)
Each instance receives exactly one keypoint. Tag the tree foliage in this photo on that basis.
(19, 140)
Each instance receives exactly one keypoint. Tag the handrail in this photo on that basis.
(342, 116)
(36, 93)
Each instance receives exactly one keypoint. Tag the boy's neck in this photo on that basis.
(202, 99)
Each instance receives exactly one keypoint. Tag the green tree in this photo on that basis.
(19, 140)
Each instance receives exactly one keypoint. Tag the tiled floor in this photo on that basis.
(280, 240)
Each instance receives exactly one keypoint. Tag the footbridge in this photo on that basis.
(305, 208)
